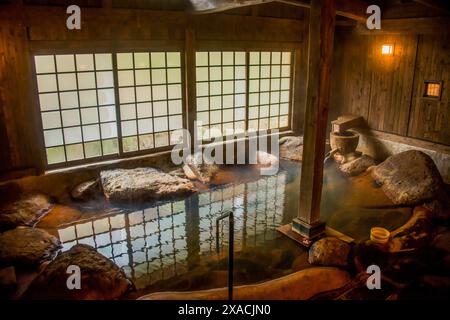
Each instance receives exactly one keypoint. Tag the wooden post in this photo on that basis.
(190, 82)
(322, 20)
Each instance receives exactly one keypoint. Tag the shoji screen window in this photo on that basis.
(269, 90)
(150, 97)
(77, 104)
(221, 93)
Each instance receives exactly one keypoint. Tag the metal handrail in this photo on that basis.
(230, 216)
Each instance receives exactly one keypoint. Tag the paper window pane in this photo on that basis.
(70, 117)
(160, 124)
(141, 60)
(68, 99)
(103, 61)
(142, 77)
(51, 120)
(93, 149)
(67, 81)
(145, 126)
(91, 132)
(74, 152)
(175, 122)
(158, 59)
(127, 111)
(175, 107)
(201, 58)
(106, 96)
(72, 135)
(215, 73)
(44, 64)
(108, 130)
(125, 61)
(202, 74)
(159, 108)
(86, 80)
(126, 78)
(143, 93)
(129, 128)
(159, 92)
(105, 79)
(144, 110)
(107, 113)
(227, 58)
(89, 115)
(161, 139)
(46, 83)
(215, 88)
(126, 95)
(48, 101)
(174, 75)
(173, 59)
(65, 63)
(215, 58)
(239, 58)
(88, 98)
(110, 146)
(85, 62)
(130, 144)
(146, 142)
(55, 155)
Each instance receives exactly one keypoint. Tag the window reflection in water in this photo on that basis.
(163, 240)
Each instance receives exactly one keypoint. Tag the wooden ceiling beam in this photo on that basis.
(352, 9)
(445, 8)
(432, 25)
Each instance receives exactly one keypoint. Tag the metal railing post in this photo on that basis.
(230, 216)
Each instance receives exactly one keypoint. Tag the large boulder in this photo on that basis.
(142, 184)
(86, 190)
(25, 246)
(291, 148)
(300, 285)
(329, 251)
(24, 212)
(100, 278)
(408, 178)
(357, 166)
(196, 168)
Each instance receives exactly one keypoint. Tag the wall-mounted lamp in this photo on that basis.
(387, 49)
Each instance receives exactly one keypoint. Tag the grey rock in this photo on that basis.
(86, 190)
(142, 184)
(329, 251)
(25, 246)
(409, 177)
(291, 148)
(357, 166)
(196, 168)
(100, 277)
(24, 212)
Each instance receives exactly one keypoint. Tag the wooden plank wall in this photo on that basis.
(35, 27)
(388, 90)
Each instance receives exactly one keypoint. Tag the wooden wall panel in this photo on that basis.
(430, 118)
(392, 80)
(388, 90)
(351, 76)
(17, 114)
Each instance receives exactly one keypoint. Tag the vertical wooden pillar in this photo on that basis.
(190, 82)
(322, 19)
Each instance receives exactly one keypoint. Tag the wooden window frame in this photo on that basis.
(110, 47)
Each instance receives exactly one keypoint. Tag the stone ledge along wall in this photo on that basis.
(386, 145)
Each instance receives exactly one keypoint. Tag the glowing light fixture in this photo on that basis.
(387, 49)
